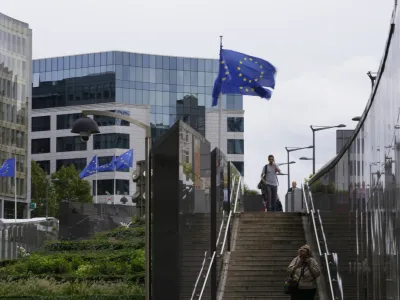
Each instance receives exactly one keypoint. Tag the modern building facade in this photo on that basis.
(15, 99)
(157, 90)
(367, 190)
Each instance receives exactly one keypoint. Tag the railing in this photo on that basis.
(330, 259)
(236, 187)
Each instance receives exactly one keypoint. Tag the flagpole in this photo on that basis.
(15, 188)
(220, 103)
(115, 181)
(97, 188)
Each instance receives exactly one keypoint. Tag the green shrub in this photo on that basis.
(122, 233)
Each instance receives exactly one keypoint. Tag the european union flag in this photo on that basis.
(8, 168)
(125, 161)
(110, 167)
(243, 74)
(90, 169)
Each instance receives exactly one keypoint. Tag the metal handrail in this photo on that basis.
(208, 274)
(229, 218)
(311, 214)
(218, 238)
(198, 277)
(305, 199)
(329, 276)
(323, 232)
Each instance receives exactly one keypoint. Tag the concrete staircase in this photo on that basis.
(264, 246)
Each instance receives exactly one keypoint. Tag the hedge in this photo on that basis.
(87, 245)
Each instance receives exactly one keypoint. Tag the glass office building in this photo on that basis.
(172, 88)
(360, 189)
(15, 95)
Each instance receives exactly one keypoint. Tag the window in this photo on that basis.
(70, 143)
(40, 146)
(79, 163)
(239, 166)
(235, 146)
(107, 186)
(41, 123)
(66, 121)
(107, 121)
(235, 124)
(107, 159)
(111, 141)
(45, 165)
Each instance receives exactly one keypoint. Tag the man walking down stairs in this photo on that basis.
(263, 248)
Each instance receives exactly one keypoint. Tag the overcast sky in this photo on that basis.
(322, 50)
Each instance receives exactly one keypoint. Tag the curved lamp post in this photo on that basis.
(292, 149)
(85, 127)
(315, 128)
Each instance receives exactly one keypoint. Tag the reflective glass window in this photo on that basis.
(72, 64)
(39, 146)
(110, 58)
(48, 65)
(159, 62)
(70, 143)
(146, 61)
(79, 61)
(65, 121)
(152, 61)
(173, 63)
(186, 64)
(40, 123)
(193, 64)
(97, 59)
(118, 58)
(78, 163)
(235, 146)
(165, 62)
(45, 165)
(91, 60)
(103, 58)
(42, 66)
(111, 141)
(85, 61)
(125, 58)
(138, 60)
(235, 124)
(66, 62)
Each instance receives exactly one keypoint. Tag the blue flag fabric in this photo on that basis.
(8, 168)
(110, 167)
(125, 161)
(243, 74)
(90, 169)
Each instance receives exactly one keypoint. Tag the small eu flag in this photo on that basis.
(90, 169)
(110, 167)
(243, 74)
(125, 161)
(8, 168)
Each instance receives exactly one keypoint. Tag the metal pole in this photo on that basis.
(47, 199)
(148, 218)
(15, 188)
(313, 142)
(288, 170)
(220, 107)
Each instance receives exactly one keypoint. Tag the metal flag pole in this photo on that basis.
(115, 179)
(15, 188)
(97, 188)
(220, 101)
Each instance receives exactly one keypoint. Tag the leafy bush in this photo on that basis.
(122, 233)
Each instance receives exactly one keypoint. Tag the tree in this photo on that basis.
(69, 186)
(41, 192)
(248, 191)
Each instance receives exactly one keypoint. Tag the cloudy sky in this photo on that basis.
(322, 49)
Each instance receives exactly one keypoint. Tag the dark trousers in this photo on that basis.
(304, 295)
(271, 195)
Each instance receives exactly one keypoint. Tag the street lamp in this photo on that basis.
(292, 149)
(356, 119)
(315, 128)
(290, 163)
(85, 127)
(305, 158)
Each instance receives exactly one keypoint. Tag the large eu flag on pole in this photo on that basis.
(124, 161)
(110, 167)
(8, 168)
(90, 169)
(243, 74)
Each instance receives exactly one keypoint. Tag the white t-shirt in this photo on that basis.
(270, 174)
